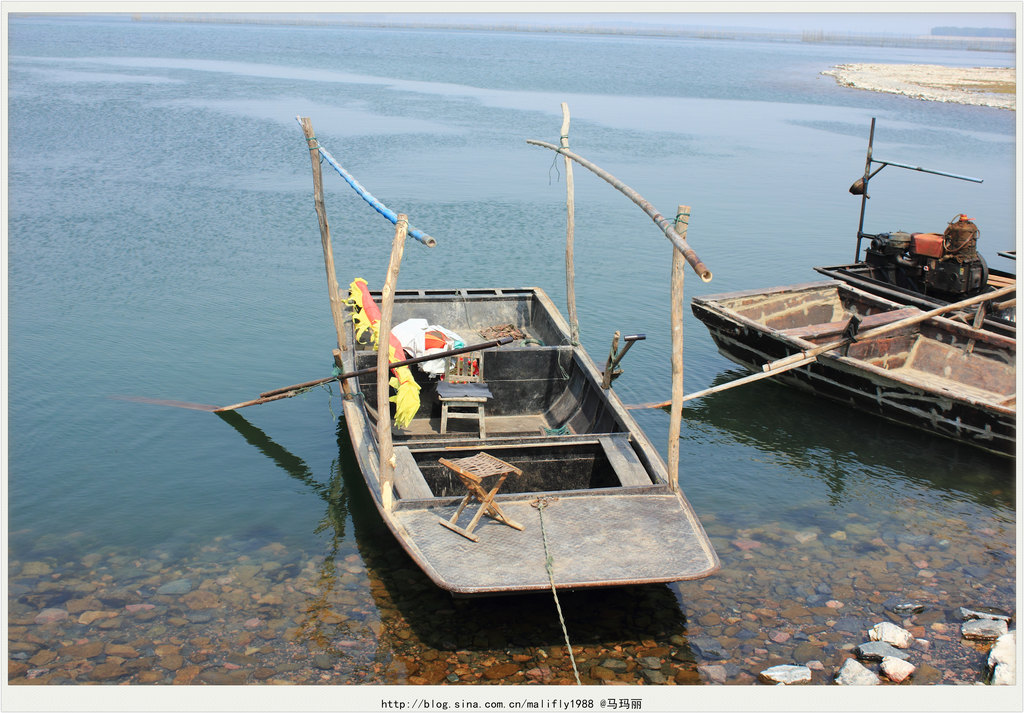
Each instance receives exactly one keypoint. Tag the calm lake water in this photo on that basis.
(163, 245)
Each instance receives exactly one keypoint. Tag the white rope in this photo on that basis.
(549, 565)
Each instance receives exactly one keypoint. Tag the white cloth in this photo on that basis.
(412, 332)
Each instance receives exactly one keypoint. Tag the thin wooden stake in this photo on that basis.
(387, 298)
(676, 318)
(570, 227)
(333, 290)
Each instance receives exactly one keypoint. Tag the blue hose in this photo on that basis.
(374, 203)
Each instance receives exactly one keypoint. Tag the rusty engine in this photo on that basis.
(946, 265)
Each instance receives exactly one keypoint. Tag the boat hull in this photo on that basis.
(593, 497)
(932, 377)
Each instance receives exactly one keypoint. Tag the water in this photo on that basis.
(163, 244)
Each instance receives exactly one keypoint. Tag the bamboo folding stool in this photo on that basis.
(472, 471)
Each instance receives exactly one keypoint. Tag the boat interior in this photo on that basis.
(546, 415)
(937, 352)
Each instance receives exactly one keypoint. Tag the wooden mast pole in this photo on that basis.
(333, 290)
(387, 298)
(570, 227)
(676, 318)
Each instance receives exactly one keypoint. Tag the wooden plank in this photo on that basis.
(622, 458)
(409, 481)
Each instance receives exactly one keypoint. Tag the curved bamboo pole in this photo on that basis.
(661, 221)
(570, 227)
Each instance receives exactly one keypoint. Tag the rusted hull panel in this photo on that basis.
(932, 378)
(610, 517)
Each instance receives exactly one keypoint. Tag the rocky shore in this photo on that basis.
(789, 606)
(980, 86)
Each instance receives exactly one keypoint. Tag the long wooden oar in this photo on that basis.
(803, 358)
(286, 392)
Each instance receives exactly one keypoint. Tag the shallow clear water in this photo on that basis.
(163, 244)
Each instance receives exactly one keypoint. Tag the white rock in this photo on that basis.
(786, 675)
(897, 670)
(1002, 660)
(891, 634)
(983, 629)
(854, 673)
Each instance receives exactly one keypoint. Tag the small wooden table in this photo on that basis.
(471, 472)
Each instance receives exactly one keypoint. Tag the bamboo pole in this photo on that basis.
(333, 290)
(659, 220)
(806, 357)
(676, 320)
(570, 227)
(295, 389)
(387, 298)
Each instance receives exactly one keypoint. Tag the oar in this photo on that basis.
(803, 358)
(294, 390)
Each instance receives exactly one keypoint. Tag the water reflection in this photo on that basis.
(844, 449)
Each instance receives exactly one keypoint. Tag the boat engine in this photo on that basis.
(946, 265)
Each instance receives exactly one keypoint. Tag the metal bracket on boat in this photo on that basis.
(615, 356)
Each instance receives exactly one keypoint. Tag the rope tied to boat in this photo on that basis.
(549, 562)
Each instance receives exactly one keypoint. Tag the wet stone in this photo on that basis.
(878, 650)
(854, 673)
(108, 672)
(324, 662)
(653, 677)
(968, 613)
(786, 674)
(983, 629)
(616, 665)
(178, 586)
(708, 648)
(51, 616)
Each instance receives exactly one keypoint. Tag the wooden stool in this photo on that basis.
(463, 392)
(471, 472)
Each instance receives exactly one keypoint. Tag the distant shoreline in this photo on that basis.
(529, 25)
(979, 86)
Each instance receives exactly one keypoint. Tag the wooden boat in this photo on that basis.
(939, 375)
(609, 514)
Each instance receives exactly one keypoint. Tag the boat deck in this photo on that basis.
(644, 537)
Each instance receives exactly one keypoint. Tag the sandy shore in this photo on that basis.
(981, 86)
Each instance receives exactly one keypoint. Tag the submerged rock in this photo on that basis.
(178, 586)
(51, 615)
